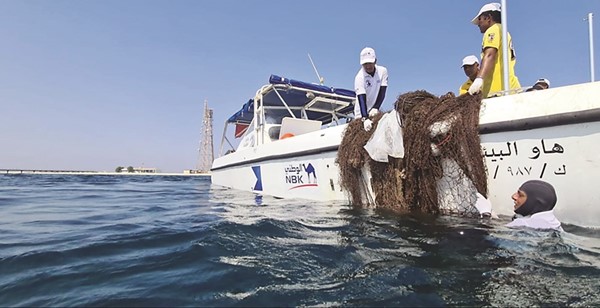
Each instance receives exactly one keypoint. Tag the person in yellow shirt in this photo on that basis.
(470, 65)
(490, 77)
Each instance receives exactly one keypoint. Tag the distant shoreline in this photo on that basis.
(18, 172)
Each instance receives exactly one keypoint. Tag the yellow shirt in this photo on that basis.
(465, 87)
(493, 82)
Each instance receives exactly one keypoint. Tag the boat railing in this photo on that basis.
(323, 103)
(508, 92)
(284, 103)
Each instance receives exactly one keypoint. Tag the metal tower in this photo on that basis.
(206, 143)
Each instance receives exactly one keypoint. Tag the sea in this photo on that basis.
(178, 241)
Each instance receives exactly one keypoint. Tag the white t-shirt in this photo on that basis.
(369, 85)
(541, 220)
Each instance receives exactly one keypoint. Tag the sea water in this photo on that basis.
(100, 240)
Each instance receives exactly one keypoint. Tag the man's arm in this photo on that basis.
(361, 96)
(380, 97)
(487, 61)
(382, 88)
(362, 103)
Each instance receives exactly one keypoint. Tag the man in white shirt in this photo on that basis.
(534, 204)
(370, 85)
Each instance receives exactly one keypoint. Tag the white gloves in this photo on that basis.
(367, 124)
(373, 112)
(476, 86)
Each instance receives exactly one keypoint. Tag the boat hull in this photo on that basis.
(560, 155)
(552, 135)
(300, 167)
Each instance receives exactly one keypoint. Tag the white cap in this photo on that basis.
(367, 55)
(494, 6)
(543, 80)
(470, 60)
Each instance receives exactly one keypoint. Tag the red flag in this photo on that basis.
(240, 129)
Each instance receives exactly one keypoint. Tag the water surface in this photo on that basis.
(99, 240)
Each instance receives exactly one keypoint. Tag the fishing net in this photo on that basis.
(442, 169)
(352, 157)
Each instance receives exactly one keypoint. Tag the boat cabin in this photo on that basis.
(285, 108)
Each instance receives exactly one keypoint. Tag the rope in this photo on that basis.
(445, 140)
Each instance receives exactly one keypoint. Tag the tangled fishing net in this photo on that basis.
(442, 169)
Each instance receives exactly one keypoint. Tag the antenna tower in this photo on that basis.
(206, 143)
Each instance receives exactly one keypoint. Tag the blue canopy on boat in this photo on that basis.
(274, 79)
(296, 95)
(243, 115)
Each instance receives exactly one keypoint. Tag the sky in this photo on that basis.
(96, 84)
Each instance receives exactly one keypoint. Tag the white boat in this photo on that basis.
(550, 135)
(302, 166)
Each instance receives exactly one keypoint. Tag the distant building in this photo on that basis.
(193, 171)
(145, 170)
(131, 169)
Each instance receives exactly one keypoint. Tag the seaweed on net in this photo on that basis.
(352, 157)
(387, 184)
(415, 182)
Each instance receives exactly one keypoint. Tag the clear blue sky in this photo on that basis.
(92, 85)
